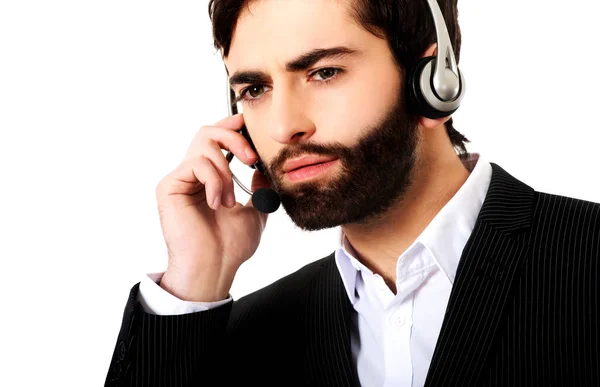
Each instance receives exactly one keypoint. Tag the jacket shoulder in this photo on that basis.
(562, 218)
(560, 207)
(281, 298)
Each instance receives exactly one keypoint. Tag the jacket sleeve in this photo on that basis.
(171, 350)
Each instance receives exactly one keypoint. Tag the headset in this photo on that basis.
(435, 88)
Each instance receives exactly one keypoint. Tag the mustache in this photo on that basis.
(295, 150)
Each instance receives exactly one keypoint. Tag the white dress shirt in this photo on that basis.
(396, 334)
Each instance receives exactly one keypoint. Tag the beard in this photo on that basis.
(373, 175)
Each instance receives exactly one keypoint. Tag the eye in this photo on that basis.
(252, 93)
(254, 90)
(327, 73)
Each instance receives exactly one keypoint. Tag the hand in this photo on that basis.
(208, 234)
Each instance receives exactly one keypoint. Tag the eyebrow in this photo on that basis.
(300, 63)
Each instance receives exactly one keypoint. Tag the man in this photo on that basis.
(450, 272)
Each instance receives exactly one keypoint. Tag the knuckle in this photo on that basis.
(211, 147)
(205, 134)
(193, 161)
(215, 183)
(217, 157)
(204, 129)
(158, 190)
(199, 138)
(205, 148)
(162, 188)
(163, 181)
(198, 165)
(230, 138)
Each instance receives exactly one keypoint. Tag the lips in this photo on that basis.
(305, 161)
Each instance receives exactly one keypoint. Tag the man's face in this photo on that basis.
(347, 108)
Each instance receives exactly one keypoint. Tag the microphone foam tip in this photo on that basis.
(266, 200)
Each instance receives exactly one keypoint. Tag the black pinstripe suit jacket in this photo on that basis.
(523, 312)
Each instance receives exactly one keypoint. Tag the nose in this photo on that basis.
(289, 123)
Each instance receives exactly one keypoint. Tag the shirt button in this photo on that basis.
(397, 320)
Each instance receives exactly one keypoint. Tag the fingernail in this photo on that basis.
(217, 202)
(231, 200)
(249, 153)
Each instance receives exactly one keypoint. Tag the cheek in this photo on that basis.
(364, 99)
(265, 146)
(355, 112)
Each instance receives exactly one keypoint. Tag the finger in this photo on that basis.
(227, 139)
(194, 171)
(259, 180)
(234, 122)
(214, 154)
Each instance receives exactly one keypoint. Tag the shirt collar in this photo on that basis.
(445, 236)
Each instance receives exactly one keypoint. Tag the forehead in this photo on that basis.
(271, 32)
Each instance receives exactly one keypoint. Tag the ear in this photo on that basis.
(429, 123)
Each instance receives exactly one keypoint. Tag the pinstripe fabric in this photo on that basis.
(523, 312)
(484, 276)
(524, 307)
(327, 320)
(551, 327)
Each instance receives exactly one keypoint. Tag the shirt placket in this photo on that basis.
(398, 358)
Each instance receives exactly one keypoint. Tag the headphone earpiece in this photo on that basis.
(423, 100)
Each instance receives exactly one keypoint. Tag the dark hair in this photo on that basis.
(407, 26)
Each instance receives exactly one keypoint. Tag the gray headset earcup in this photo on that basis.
(417, 103)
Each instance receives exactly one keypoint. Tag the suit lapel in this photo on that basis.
(490, 259)
(328, 360)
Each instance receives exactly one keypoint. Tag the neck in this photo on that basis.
(437, 176)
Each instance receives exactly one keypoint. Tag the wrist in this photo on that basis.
(196, 288)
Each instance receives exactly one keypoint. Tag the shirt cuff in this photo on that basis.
(156, 300)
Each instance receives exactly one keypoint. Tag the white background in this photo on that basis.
(99, 100)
